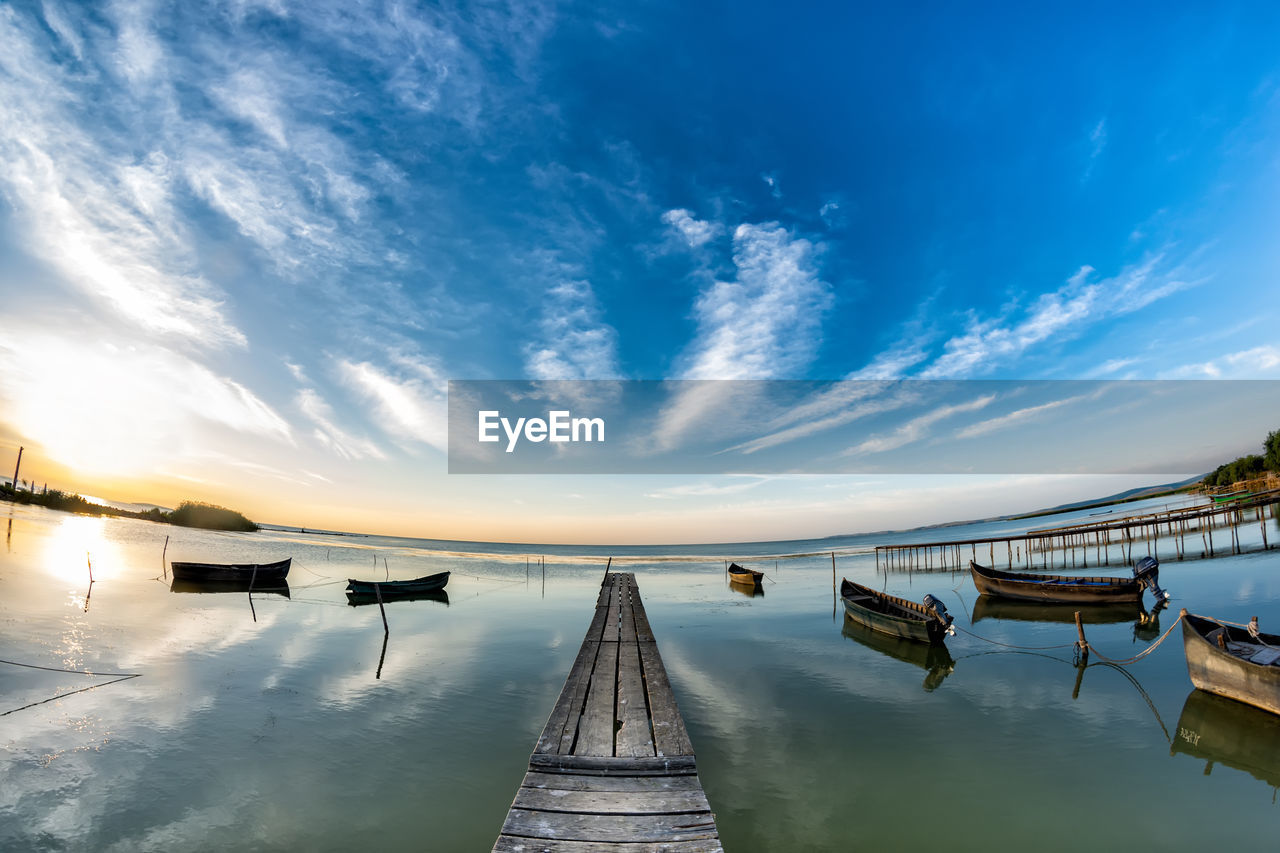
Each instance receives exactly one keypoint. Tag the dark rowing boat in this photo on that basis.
(1232, 662)
(358, 599)
(927, 623)
(750, 577)
(397, 589)
(264, 574)
(1069, 589)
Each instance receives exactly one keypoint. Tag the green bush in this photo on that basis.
(210, 517)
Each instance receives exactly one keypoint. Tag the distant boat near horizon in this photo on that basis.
(263, 574)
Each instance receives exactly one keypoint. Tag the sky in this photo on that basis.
(245, 246)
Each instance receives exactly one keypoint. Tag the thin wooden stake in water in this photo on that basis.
(384, 567)
(1082, 644)
(386, 629)
(88, 560)
(163, 567)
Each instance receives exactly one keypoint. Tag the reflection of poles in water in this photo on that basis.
(1080, 668)
(8, 539)
(383, 656)
(88, 594)
(253, 578)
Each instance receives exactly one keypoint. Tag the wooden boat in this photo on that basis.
(933, 658)
(257, 573)
(1068, 589)
(397, 589)
(1222, 731)
(269, 587)
(897, 617)
(737, 574)
(361, 599)
(1226, 660)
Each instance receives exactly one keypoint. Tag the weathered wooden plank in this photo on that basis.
(512, 844)
(634, 736)
(544, 762)
(610, 634)
(643, 632)
(562, 724)
(669, 734)
(568, 781)
(608, 802)
(567, 826)
(626, 615)
(596, 728)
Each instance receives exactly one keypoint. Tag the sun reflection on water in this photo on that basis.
(78, 548)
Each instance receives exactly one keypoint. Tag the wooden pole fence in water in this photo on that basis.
(1125, 533)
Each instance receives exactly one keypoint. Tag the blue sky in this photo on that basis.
(244, 246)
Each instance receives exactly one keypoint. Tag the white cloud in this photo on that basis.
(110, 404)
(768, 322)
(409, 407)
(575, 342)
(694, 232)
(311, 404)
(1261, 362)
(1059, 315)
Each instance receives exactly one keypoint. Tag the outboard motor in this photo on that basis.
(1147, 572)
(941, 609)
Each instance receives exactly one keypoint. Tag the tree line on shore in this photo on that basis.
(188, 513)
(1250, 466)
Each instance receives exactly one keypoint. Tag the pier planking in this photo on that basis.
(613, 768)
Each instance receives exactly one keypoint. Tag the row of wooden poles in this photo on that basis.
(1075, 543)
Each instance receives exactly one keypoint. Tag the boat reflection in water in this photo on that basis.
(994, 607)
(1146, 623)
(932, 657)
(750, 590)
(359, 599)
(1224, 731)
(272, 587)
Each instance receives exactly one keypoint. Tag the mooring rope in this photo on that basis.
(1011, 646)
(1140, 655)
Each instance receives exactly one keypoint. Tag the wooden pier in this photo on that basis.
(1076, 543)
(613, 769)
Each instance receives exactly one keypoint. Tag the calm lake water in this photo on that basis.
(279, 734)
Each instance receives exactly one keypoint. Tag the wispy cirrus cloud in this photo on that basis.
(1060, 314)
(410, 400)
(575, 342)
(328, 434)
(1261, 362)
